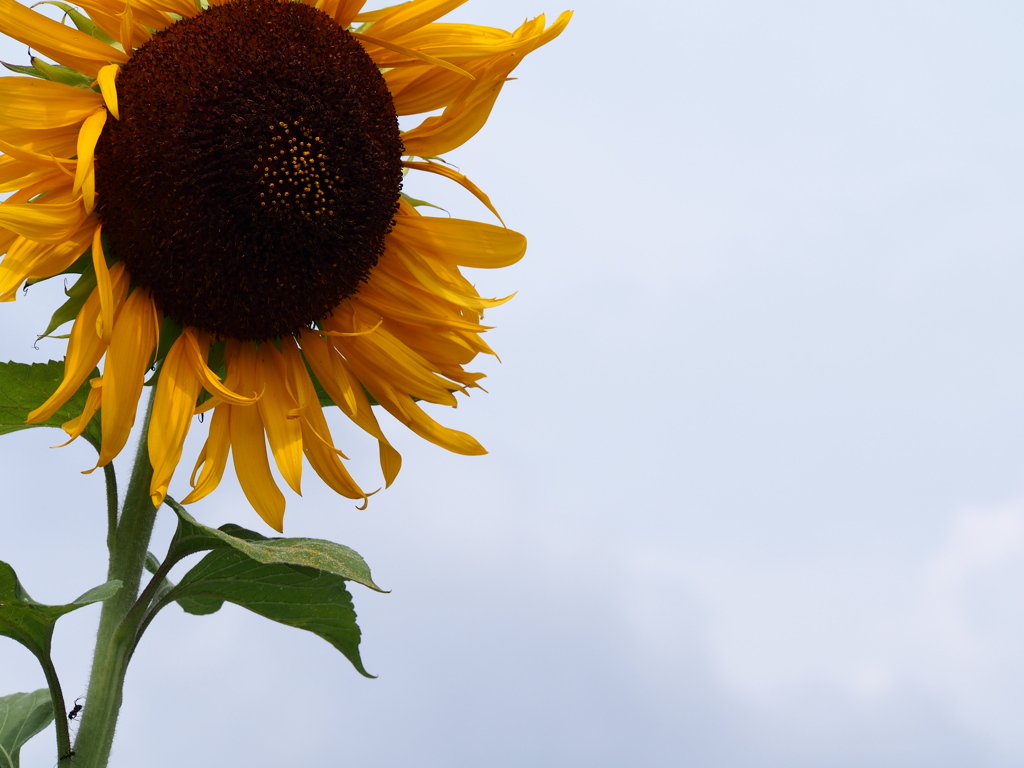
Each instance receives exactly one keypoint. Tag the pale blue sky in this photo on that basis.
(755, 494)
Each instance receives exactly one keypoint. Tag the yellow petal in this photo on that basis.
(451, 173)
(105, 322)
(346, 11)
(407, 17)
(108, 89)
(61, 43)
(462, 242)
(389, 358)
(27, 102)
(277, 403)
(84, 348)
(136, 333)
(76, 426)
(403, 408)
(196, 345)
(87, 138)
(463, 118)
(249, 451)
(44, 222)
(28, 259)
(316, 436)
(409, 56)
(176, 391)
(347, 393)
(214, 456)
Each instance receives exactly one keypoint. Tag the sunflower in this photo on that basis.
(224, 179)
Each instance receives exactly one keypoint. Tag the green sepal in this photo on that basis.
(169, 333)
(21, 69)
(83, 22)
(31, 623)
(24, 387)
(420, 203)
(22, 716)
(61, 74)
(77, 295)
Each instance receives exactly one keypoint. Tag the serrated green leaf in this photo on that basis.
(22, 716)
(294, 595)
(319, 554)
(31, 623)
(25, 387)
(23, 70)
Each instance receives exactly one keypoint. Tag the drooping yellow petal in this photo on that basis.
(346, 11)
(125, 28)
(406, 370)
(28, 259)
(136, 333)
(105, 322)
(196, 343)
(176, 391)
(63, 44)
(409, 55)
(450, 173)
(407, 17)
(278, 411)
(87, 138)
(430, 275)
(462, 242)
(108, 88)
(316, 435)
(43, 222)
(27, 102)
(404, 408)
(463, 118)
(76, 426)
(345, 390)
(213, 458)
(249, 451)
(85, 348)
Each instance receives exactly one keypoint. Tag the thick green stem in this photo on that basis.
(118, 623)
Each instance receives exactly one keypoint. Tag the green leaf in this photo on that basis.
(25, 387)
(319, 554)
(294, 595)
(22, 716)
(31, 623)
(77, 295)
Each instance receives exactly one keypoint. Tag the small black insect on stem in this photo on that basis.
(75, 709)
(68, 756)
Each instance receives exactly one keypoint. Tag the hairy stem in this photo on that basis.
(118, 622)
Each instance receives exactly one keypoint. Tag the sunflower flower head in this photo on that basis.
(225, 179)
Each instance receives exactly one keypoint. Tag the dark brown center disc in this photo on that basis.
(255, 170)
